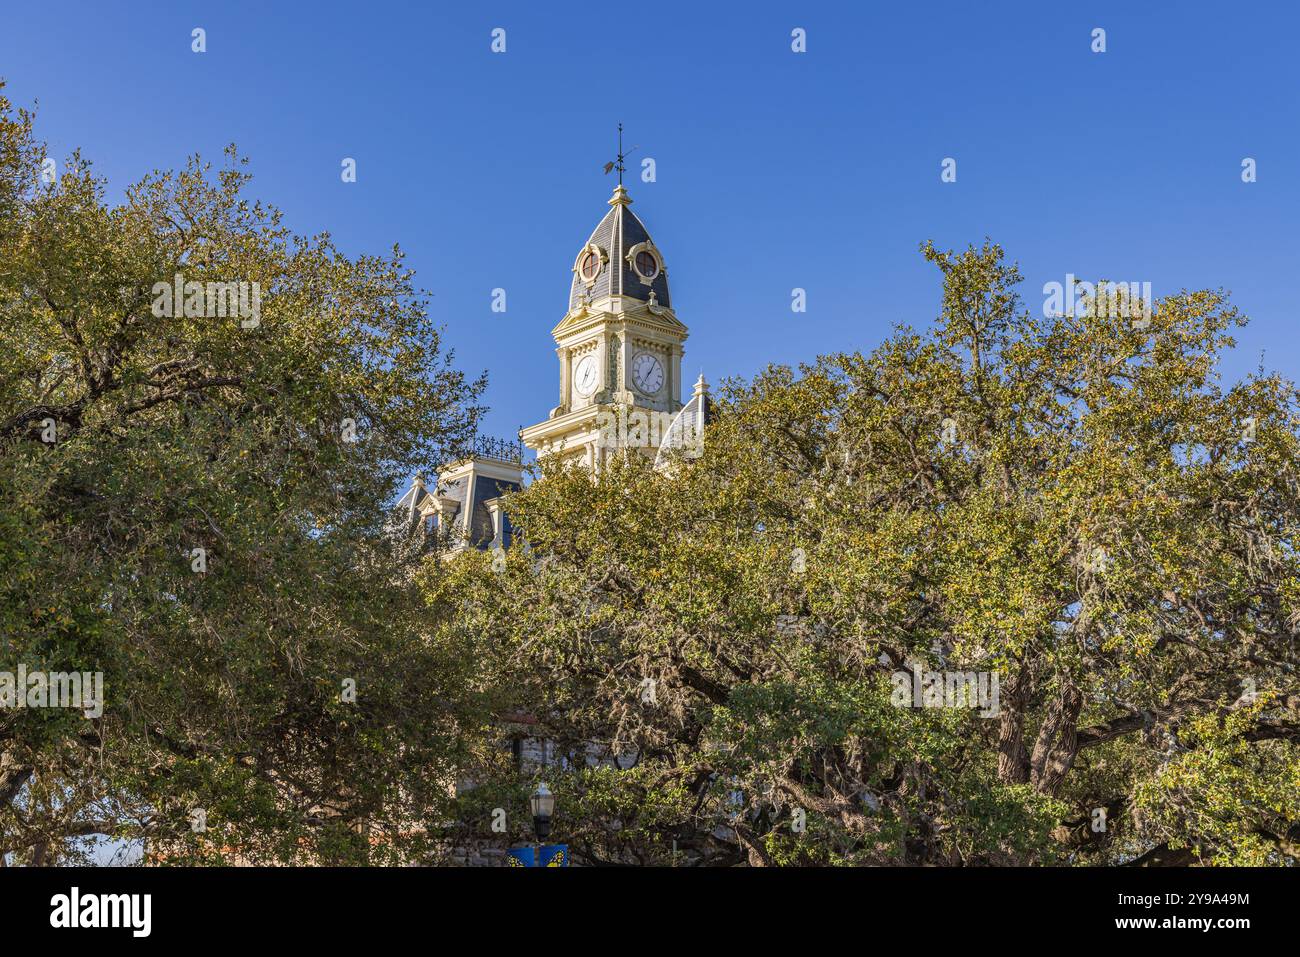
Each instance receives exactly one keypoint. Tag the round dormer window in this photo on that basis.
(589, 265)
(646, 264)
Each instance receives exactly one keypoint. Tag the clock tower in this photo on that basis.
(619, 347)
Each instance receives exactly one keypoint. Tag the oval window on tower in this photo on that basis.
(589, 265)
(647, 264)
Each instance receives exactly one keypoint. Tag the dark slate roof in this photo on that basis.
(617, 232)
(454, 489)
(480, 528)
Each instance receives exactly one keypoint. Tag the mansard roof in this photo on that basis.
(618, 236)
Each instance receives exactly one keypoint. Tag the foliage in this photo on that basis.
(1074, 506)
(1074, 503)
(223, 670)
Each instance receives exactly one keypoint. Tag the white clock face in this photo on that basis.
(647, 373)
(584, 376)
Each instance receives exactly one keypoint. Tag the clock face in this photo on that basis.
(584, 376)
(647, 373)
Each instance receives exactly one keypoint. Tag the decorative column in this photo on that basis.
(675, 378)
(565, 372)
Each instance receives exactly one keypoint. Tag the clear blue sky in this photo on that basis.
(775, 169)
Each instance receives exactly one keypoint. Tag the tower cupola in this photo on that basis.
(619, 259)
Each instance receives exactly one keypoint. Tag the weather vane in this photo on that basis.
(617, 163)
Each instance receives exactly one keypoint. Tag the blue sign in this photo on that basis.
(552, 855)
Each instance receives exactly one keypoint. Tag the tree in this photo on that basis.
(203, 420)
(727, 655)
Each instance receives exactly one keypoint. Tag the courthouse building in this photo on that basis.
(619, 348)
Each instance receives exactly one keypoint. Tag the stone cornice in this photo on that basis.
(588, 319)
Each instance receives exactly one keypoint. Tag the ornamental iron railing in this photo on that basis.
(501, 449)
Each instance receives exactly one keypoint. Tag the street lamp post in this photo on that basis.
(542, 803)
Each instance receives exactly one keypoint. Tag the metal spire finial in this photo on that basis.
(618, 163)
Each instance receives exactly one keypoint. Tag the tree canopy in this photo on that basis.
(1073, 510)
(1007, 589)
(195, 499)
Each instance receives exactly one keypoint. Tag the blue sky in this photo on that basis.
(775, 170)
